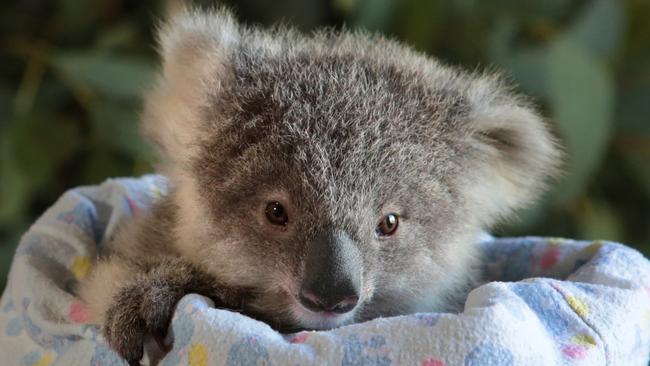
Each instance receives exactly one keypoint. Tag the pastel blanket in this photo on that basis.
(545, 302)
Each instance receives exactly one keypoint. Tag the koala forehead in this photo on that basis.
(335, 125)
(341, 119)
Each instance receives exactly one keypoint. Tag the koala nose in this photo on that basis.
(339, 302)
(332, 278)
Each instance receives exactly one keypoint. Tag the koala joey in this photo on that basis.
(314, 180)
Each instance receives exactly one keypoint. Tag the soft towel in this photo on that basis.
(545, 302)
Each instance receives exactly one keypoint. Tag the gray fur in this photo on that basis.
(342, 128)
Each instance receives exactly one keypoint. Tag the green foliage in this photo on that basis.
(112, 76)
(573, 82)
(72, 74)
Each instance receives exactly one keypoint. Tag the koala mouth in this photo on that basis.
(312, 313)
(328, 306)
(321, 320)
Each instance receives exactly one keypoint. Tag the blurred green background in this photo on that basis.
(72, 72)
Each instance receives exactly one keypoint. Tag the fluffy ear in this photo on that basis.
(196, 48)
(515, 152)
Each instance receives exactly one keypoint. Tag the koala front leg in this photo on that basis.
(142, 301)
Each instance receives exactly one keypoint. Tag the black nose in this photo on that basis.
(332, 278)
(339, 302)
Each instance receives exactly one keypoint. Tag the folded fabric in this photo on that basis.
(546, 302)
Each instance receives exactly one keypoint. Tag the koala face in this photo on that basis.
(340, 176)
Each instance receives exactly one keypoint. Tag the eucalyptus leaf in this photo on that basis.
(123, 78)
(120, 35)
(599, 28)
(117, 126)
(375, 15)
(501, 40)
(581, 98)
(522, 64)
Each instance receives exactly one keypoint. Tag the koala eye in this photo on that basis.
(388, 225)
(276, 214)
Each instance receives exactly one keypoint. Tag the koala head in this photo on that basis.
(341, 176)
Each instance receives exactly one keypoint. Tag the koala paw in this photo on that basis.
(138, 310)
(146, 305)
